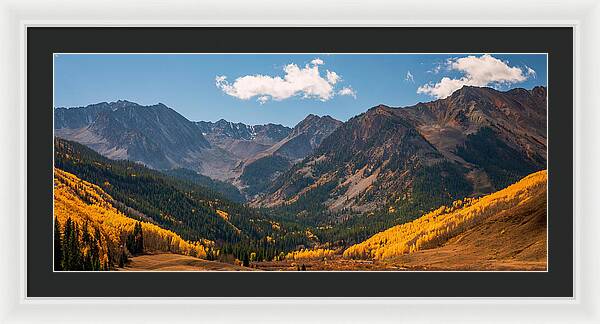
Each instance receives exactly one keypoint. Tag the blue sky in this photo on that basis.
(283, 88)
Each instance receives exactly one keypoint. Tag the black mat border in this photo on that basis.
(42, 42)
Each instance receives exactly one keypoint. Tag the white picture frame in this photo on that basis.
(16, 15)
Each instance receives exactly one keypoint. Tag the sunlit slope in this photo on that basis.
(512, 219)
(82, 201)
(177, 262)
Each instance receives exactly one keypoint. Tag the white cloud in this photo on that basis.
(479, 71)
(409, 77)
(436, 69)
(347, 91)
(333, 77)
(530, 72)
(305, 81)
(262, 99)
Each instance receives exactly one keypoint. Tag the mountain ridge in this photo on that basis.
(457, 136)
(155, 135)
(478, 140)
(259, 170)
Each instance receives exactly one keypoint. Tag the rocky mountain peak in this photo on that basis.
(314, 124)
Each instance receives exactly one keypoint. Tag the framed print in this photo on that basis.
(281, 164)
(225, 160)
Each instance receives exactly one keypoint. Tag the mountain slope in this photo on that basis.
(261, 169)
(227, 190)
(192, 211)
(475, 124)
(156, 136)
(415, 158)
(184, 207)
(93, 213)
(162, 139)
(243, 141)
(503, 229)
(371, 160)
(305, 137)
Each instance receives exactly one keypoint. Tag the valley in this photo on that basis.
(453, 184)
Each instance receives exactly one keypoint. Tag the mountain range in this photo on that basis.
(160, 138)
(476, 141)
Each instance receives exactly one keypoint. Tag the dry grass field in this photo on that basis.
(177, 262)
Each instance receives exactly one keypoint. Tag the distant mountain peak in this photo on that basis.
(122, 101)
(312, 119)
(122, 104)
(378, 112)
(476, 91)
(156, 135)
(469, 92)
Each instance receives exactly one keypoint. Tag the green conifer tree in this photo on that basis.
(58, 246)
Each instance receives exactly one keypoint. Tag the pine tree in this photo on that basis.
(58, 246)
(71, 255)
(87, 263)
(135, 240)
(246, 261)
(139, 238)
(65, 245)
(109, 259)
(78, 255)
(122, 258)
(95, 249)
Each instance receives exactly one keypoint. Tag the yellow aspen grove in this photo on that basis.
(310, 254)
(223, 214)
(83, 202)
(435, 228)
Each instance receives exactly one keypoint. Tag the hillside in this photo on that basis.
(305, 137)
(478, 139)
(259, 171)
(225, 189)
(192, 211)
(88, 220)
(505, 229)
(411, 159)
(156, 136)
(162, 139)
(177, 262)
(241, 140)
(151, 194)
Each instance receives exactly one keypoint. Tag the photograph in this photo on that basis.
(264, 161)
(317, 162)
